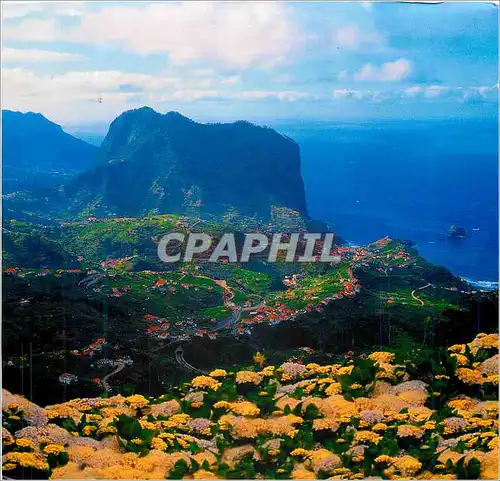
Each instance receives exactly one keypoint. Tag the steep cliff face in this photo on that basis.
(169, 163)
(36, 150)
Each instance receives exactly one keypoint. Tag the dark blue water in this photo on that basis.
(410, 180)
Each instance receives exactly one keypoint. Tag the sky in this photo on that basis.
(84, 62)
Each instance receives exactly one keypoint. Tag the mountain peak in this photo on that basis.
(36, 150)
(32, 120)
(170, 163)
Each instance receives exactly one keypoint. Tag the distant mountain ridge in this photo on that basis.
(154, 162)
(37, 151)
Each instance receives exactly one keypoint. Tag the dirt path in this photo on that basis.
(104, 380)
(418, 298)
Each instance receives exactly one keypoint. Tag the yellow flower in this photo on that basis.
(53, 449)
(202, 474)
(137, 401)
(259, 359)
(382, 357)
(470, 376)
(218, 373)
(268, 371)
(458, 348)
(202, 382)
(158, 443)
(333, 388)
(345, 371)
(59, 411)
(147, 425)
(484, 341)
(244, 377)
(367, 436)
(409, 431)
(106, 430)
(26, 460)
(379, 427)
(300, 452)
(493, 444)
(136, 441)
(24, 443)
(462, 404)
(180, 418)
(429, 426)
(245, 408)
(383, 459)
(325, 424)
(408, 466)
(9, 466)
(88, 430)
(460, 359)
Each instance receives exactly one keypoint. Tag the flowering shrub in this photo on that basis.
(372, 416)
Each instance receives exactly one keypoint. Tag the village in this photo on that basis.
(205, 302)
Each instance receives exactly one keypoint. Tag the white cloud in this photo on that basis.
(234, 35)
(191, 94)
(433, 91)
(412, 91)
(387, 72)
(230, 81)
(426, 91)
(74, 96)
(34, 30)
(33, 55)
(352, 37)
(282, 95)
(347, 93)
(20, 9)
(483, 92)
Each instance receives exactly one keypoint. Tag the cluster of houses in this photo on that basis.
(172, 286)
(68, 378)
(23, 273)
(375, 252)
(115, 263)
(159, 329)
(277, 311)
(21, 361)
(91, 349)
(118, 292)
(203, 332)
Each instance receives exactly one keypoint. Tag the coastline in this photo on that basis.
(483, 285)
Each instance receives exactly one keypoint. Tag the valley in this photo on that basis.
(81, 318)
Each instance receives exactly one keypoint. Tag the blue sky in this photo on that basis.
(84, 62)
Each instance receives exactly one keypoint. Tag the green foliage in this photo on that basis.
(132, 436)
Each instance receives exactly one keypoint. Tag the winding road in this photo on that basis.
(179, 357)
(419, 289)
(104, 380)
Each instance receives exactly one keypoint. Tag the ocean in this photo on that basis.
(411, 180)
